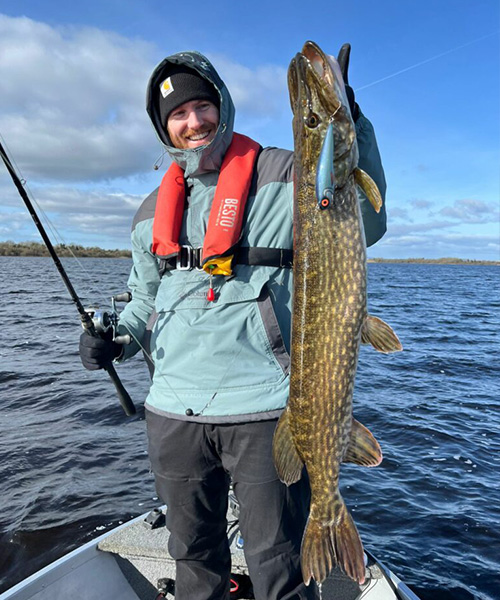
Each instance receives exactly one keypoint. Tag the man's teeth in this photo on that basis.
(198, 136)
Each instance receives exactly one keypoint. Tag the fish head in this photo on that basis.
(324, 132)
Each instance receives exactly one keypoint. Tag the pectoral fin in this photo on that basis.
(363, 448)
(380, 335)
(286, 458)
(369, 187)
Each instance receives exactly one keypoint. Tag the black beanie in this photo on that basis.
(183, 85)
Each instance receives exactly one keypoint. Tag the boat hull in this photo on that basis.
(127, 562)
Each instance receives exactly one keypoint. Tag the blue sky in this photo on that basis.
(73, 79)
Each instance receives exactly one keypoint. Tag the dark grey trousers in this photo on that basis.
(193, 464)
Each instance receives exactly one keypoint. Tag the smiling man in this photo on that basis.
(212, 288)
(188, 108)
(193, 124)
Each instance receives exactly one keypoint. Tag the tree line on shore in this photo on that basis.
(436, 261)
(66, 250)
(63, 250)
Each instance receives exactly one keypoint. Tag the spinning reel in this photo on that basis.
(104, 320)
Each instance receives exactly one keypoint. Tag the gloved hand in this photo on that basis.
(98, 352)
(343, 60)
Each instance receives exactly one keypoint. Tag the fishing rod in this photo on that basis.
(87, 321)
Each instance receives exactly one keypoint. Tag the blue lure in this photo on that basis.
(325, 172)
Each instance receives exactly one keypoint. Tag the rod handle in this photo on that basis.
(123, 395)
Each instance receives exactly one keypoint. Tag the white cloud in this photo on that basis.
(72, 110)
(470, 230)
(260, 92)
(72, 101)
(399, 213)
(409, 228)
(73, 215)
(11, 223)
(72, 114)
(438, 245)
(421, 203)
(98, 201)
(472, 211)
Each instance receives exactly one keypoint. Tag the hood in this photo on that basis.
(204, 159)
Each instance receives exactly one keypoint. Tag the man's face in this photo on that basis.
(193, 124)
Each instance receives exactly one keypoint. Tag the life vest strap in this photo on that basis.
(227, 207)
(190, 258)
(265, 257)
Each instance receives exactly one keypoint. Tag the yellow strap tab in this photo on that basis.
(219, 266)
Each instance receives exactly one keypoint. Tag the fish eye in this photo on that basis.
(312, 120)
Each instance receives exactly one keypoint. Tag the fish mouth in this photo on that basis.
(328, 70)
(313, 81)
(319, 62)
(318, 100)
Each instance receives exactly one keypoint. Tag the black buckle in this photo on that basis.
(286, 260)
(189, 258)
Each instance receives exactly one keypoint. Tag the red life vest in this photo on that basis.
(226, 214)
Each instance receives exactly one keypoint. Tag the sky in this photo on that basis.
(426, 73)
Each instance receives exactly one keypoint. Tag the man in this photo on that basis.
(212, 287)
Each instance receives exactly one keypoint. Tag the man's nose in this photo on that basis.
(194, 120)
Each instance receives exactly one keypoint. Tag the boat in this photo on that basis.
(131, 562)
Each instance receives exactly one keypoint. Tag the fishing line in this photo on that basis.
(86, 320)
(56, 235)
(423, 62)
(48, 223)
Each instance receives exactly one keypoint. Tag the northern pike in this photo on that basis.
(329, 320)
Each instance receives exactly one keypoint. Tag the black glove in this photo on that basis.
(343, 60)
(98, 352)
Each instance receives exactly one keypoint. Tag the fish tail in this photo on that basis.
(317, 555)
(326, 545)
(348, 546)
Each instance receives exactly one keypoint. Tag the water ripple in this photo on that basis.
(72, 465)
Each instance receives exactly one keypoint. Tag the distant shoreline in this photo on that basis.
(63, 250)
(435, 261)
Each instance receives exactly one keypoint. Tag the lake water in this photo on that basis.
(72, 465)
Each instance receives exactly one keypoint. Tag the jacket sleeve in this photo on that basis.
(369, 160)
(143, 282)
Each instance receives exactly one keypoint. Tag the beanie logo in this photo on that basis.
(166, 87)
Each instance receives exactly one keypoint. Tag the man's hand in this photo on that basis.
(98, 352)
(343, 60)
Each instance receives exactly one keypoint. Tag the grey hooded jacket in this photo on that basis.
(228, 360)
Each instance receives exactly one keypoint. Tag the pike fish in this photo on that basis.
(330, 320)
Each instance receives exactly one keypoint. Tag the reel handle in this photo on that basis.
(124, 297)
